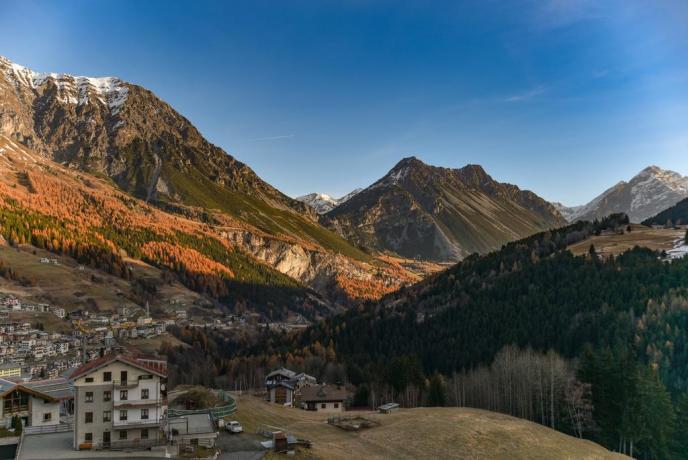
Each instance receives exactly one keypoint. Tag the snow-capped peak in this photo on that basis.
(323, 203)
(72, 89)
(650, 191)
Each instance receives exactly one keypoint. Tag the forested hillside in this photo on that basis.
(606, 340)
(675, 215)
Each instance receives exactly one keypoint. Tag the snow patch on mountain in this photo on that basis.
(323, 203)
(649, 192)
(72, 89)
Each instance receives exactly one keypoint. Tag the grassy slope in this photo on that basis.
(423, 433)
(67, 286)
(199, 191)
(607, 244)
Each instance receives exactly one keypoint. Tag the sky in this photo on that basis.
(562, 97)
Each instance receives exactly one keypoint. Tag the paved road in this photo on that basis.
(243, 446)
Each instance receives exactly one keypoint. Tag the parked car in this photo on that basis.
(234, 427)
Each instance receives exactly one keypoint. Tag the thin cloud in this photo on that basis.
(553, 14)
(270, 138)
(527, 95)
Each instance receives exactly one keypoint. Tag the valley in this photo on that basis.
(477, 306)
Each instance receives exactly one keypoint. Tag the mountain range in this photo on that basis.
(323, 203)
(358, 247)
(646, 194)
(122, 133)
(433, 213)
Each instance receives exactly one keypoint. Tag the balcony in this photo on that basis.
(125, 384)
(139, 402)
(137, 423)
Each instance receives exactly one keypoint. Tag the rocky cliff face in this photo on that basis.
(427, 212)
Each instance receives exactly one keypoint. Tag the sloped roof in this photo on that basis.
(49, 390)
(128, 357)
(59, 388)
(323, 393)
(282, 371)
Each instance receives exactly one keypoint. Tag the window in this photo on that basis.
(89, 379)
(336, 405)
(122, 434)
(107, 376)
(323, 406)
(107, 416)
(144, 433)
(123, 377)
(48, 416)
(107, 395)
(88, 437)
(123, 395)
(88, 417)
(145, 393)
(144, 414)
(17, 401)
(123, 414)
(89, 396)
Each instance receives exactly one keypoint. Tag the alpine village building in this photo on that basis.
(36, 403)
(120, 402)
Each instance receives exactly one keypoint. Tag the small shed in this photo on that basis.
(280, 442)
(388, 408)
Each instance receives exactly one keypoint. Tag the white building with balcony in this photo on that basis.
(120, 402)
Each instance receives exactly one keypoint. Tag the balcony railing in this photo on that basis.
(133, 444)
(140, 402)
(125, 384)
(137, 422)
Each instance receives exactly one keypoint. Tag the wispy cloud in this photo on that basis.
(553, 14)
(526, 95)
(271, 138)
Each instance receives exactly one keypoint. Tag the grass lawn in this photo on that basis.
(423, 433)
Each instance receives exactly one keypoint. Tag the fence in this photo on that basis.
(215, 412)
(45, 429)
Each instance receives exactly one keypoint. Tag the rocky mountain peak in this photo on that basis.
(647, 193)
(430, 212)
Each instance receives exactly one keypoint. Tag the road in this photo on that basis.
(244, 446)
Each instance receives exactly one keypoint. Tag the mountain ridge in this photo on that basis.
(434, 213)
(646, 194)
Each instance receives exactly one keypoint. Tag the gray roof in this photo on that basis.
(57, 388)
(282, 371)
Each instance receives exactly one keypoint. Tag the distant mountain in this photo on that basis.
(645, 195)
(432, 213)
(125, 134)
(567, 212)
(323, 203)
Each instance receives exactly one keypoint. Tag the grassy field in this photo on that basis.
(423, 433)
(68, 286)
(612, 244)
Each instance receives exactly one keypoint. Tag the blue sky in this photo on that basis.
(563, 97)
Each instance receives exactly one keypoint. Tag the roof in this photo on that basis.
(388, 406)
(321, 393)
(282, 371)
(59, 388)
(283, 383)
(49, 390)
(126, 357)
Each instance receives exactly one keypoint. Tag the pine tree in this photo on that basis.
(437, 392)
(680, 439)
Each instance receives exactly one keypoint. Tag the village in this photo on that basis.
(117, 404)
